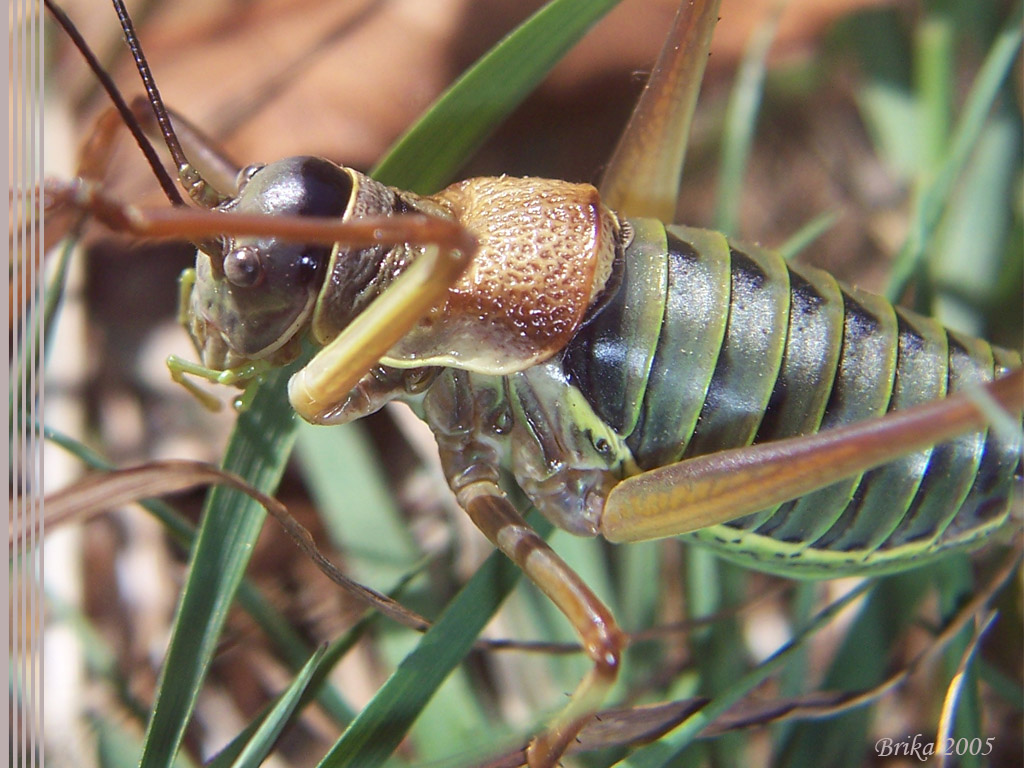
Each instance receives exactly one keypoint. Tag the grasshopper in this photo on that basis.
(619, 366)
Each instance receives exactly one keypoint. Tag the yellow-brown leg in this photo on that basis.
(316, 391)
(643, 176)
(62, 216)
(727, 485)
(601, 637)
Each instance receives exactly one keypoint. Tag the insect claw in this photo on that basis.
(242, 402)
(248, 377)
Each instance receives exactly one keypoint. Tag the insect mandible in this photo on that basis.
(547, 386)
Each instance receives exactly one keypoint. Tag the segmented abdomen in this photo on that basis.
(709, 345)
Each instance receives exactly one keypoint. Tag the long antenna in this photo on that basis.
(201, 191)
(164, 178)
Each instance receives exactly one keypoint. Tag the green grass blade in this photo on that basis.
(807, 234)
(715, 585)
(227, 535)
(860, 663)
(364, 522)
(965, 269)
(795, 678)
(934, 197)
(1001, 684)
(638, 565)
(663, 752)
(740, 122)
(277, 718)
(885, 100)
(382, 725)
(332, 654)
(55, 293)
(934, 58)
(293, 649)
(119, 747)
(429, 154)
(956, 585)
(357, 507)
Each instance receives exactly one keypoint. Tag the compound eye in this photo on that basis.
(243, 267)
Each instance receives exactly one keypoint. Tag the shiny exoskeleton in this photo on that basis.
(580, 349)
(743, 348)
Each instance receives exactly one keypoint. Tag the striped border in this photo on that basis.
(25, 384)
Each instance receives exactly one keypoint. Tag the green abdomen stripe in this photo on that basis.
(711, 345)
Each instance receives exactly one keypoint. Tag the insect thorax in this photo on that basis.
(545, 253)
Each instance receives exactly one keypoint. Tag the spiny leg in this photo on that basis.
(727, 485)
(602, 639)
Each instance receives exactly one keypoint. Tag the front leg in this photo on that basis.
(466, 421)
(316, 390)
(379, 386)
